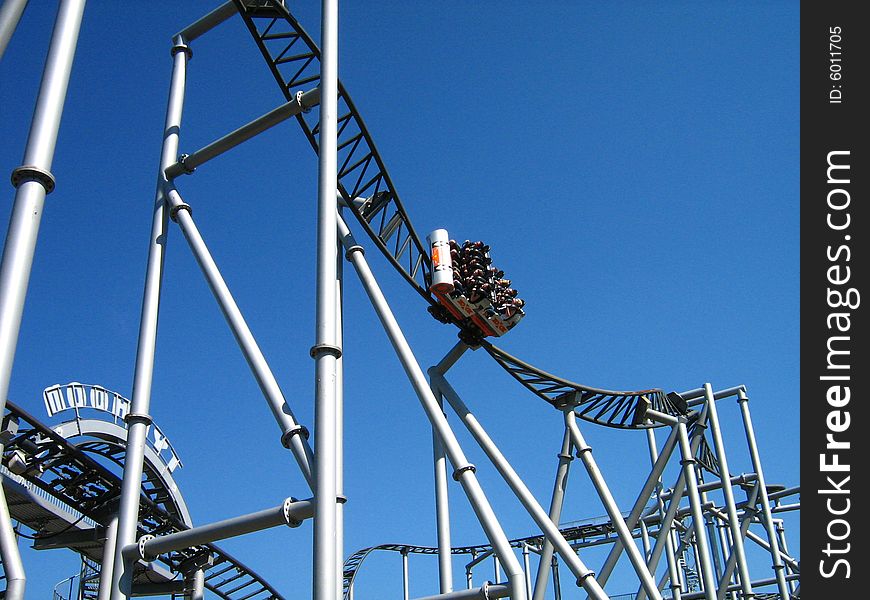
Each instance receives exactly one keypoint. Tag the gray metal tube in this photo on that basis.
(728, 493)
(442, 508)
(339, 418)
(16, 579)
(715, 485)
(290, 512)
(688, 463)
(663, 540)
(778, 567)
(527, 570)
(584, 575)
(672, 571)
(10, 14)
(652, 480)
(743, 530)
(485, 592)
(138, 420)
(293, 436)
(105, 589)
(289, 109)
(584, 451)
(405, 576)
(326, 350)
(555, 514)
(439, 459)
(197, 585)
(33, 181)
(207, 22)
(463, 470)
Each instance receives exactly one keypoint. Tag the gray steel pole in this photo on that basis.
(527, 570)
(584, 575)
(10, 14)
(463, 470)
(208, 22)
(105, 589)
(290, 512)
(197, 585)
(672, 573)
(405, 588)
(689, 463)
(731, 563)
(339, 416)
(442, 506)
(664, 539)
(293, 435)
(326, 350)
(778, 566)
(442, 501)
(10, 557)
(584, 452)
(728, 493)
(138, 419)
(555, 514)
(485, 592)
(659, 462)
(783, 547)
(33, 180)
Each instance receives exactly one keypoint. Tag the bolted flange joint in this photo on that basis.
(355, 248)
(181, 48)
(688, 461)
(26, 173)
(173, 212)
(458, 472)
(141, 544)
(320, 349)
(288, 435)
(583, 578)
(182, 162)
(292, 521)
(132, 418)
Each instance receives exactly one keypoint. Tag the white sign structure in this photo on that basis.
(77, 396)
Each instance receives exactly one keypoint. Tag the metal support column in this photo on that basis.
(405, 587)
(673, 572)
(33, 180)
(527, 569)
(555, 514)
(10, 14)
(293, 435)
(583, 574)
(106, 569)
(463, 470)
(138, 419)
(339, 416)
(326, 351)
(442, 506)
(728, 493)
(778, 566)
(584, 452)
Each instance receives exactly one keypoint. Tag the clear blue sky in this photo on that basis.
(634, 168)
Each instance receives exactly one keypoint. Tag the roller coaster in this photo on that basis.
(97, 478)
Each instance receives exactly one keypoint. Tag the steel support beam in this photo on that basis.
(291, 512)
(585, 577)
(485, 592)
(728, 494)
(293, 435)
(138, 419)
(767, 517)
(463, 470)
(302, 103)
(584, 452)
(555, 514)
(326, 350)
(208, 22)
(32, 180)
(10, 14)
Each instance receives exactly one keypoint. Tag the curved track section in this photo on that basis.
(622, 410)
(294, 60)
(58, 473)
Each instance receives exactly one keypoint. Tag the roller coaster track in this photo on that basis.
(293, 58)
(42, 464)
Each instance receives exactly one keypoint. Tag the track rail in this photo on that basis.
(65, 472)
(294, 60)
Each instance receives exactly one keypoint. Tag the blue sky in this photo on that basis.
(634, 168)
